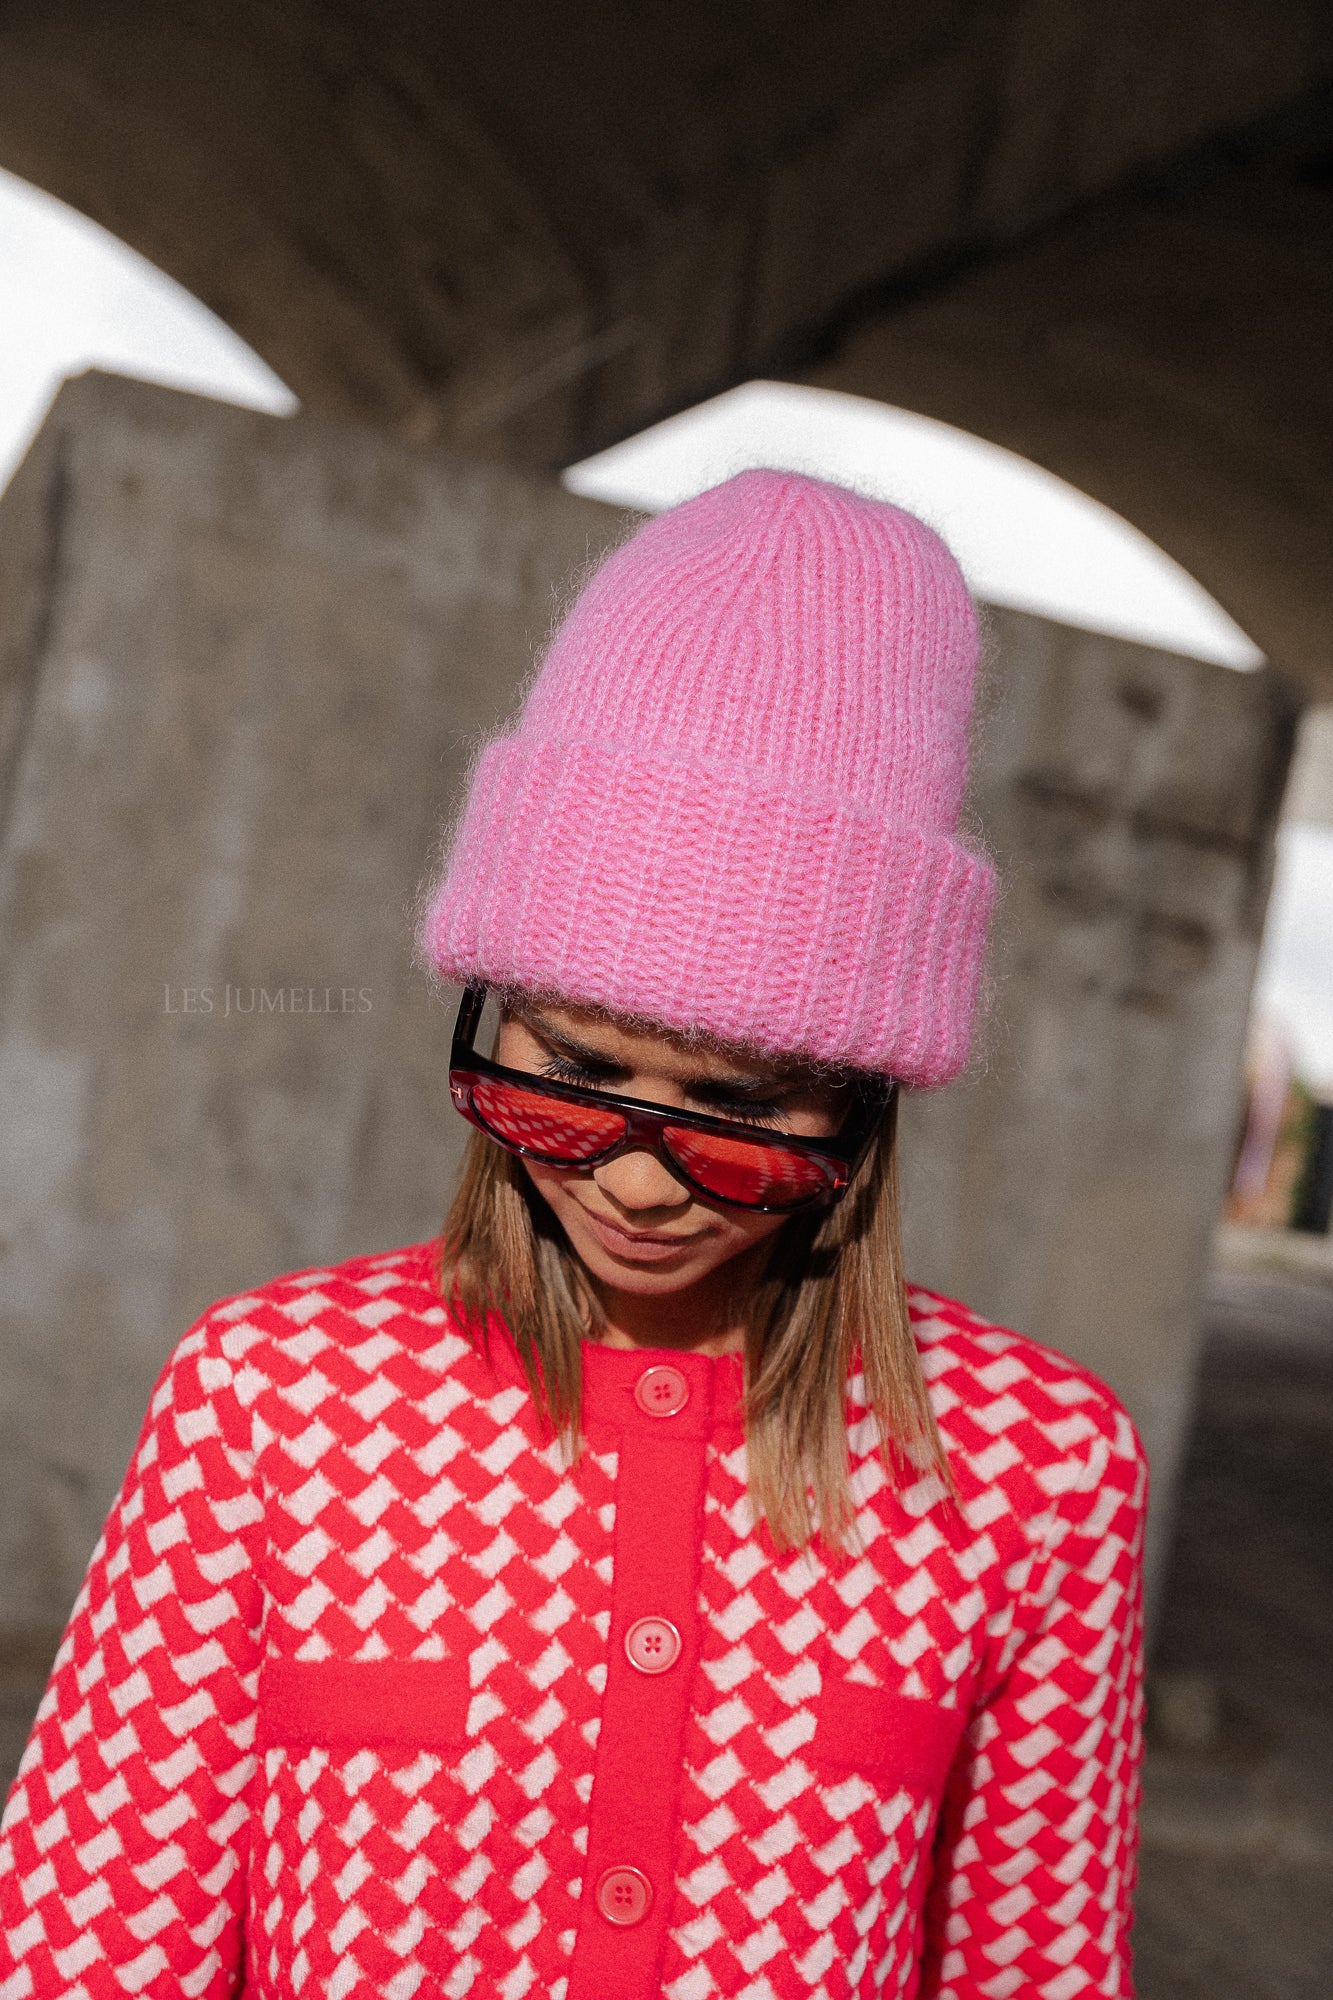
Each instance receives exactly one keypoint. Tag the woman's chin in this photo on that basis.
(632, 1274)
(645, 1268)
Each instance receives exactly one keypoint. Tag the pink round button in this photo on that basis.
(653, 1645)
(661, 1391)
(624, 1896)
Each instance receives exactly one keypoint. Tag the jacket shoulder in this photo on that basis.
(367, 1306)
(979, 1357)
(1015, 1412)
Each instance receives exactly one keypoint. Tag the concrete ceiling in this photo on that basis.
(527, 230)
(1170, 350)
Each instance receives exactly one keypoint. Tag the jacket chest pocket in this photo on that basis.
(363, 1704)
(897, 1741)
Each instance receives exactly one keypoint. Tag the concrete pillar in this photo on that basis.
(244, 663)
(1070, 1185)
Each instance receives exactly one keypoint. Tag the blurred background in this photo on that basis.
(334, 342)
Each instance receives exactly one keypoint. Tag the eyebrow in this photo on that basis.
(704, 1085)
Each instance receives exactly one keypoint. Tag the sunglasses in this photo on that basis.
(578, 1125)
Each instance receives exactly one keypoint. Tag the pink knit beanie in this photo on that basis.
(729, 803)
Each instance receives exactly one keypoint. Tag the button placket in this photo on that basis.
(633, 1813)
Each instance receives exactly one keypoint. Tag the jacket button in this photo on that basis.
(661, 1391)
(653, 1645)
(624, 1896)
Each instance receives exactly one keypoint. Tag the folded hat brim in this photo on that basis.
(713, 901)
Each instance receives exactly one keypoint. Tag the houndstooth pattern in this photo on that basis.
(329, 1473)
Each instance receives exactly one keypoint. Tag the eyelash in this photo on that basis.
(561, 1070)
(766, 1115)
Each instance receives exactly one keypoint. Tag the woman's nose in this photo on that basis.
(638, 1179)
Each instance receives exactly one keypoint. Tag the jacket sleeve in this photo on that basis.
(123, 1845)
(1035, 1856)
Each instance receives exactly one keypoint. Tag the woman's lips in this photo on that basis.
(646, 1248)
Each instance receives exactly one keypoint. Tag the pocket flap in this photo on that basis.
(417, 1704)
(886, 1735)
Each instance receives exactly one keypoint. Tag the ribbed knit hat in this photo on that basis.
(729, 804)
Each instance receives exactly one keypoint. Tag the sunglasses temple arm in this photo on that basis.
(470, 1012)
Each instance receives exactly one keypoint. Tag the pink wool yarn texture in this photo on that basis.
(730, 802)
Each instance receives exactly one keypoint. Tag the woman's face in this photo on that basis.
(635, 1226)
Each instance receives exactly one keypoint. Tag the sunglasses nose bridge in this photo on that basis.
(645, 1132)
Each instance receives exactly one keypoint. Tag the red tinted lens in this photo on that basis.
(545, 1125)
(741, 1170)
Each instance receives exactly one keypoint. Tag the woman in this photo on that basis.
(637, 1591)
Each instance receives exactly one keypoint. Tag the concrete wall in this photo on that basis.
(1309, 796)
(1070, 1185)
(244, 700)
(245, 660)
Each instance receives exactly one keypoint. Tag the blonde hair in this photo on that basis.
(832, 1289)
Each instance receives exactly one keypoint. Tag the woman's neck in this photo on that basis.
(705, 1319)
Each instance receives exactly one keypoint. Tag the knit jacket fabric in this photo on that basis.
(345, 1707)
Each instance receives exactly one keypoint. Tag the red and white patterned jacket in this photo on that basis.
(345, 1707)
